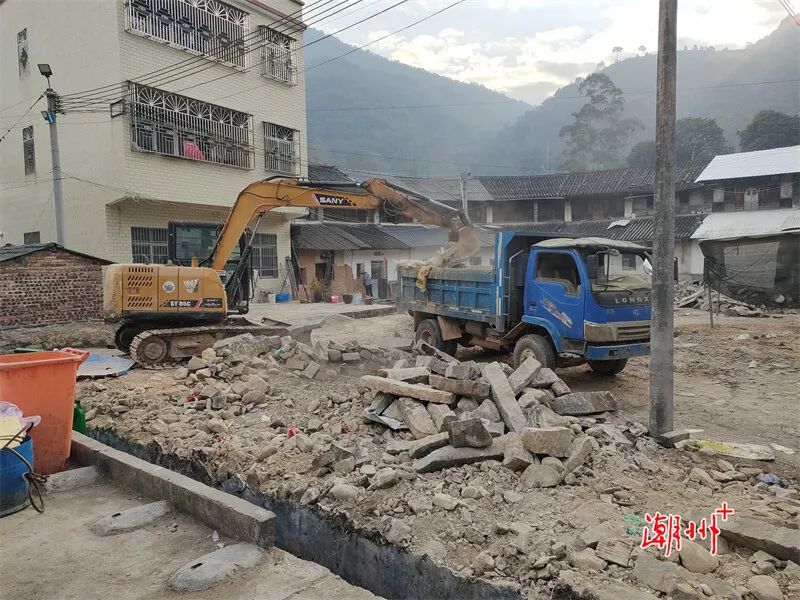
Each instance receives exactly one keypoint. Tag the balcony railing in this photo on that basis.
(281, 149)
(209, 28)
(278, 56)
(173, 125)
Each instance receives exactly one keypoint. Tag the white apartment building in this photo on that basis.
(210, 97)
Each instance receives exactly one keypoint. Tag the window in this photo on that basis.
(23, 58)
(359, 269)
(31, 237)
(175, 125)
(551, 210)
(28, 151)
(281, 149)
(209, 28)
(277, 55)
(149, 245)
(558, 268)
(265, 254)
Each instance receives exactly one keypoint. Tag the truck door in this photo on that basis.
(555, 293)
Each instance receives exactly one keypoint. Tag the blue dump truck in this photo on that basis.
(564, 301)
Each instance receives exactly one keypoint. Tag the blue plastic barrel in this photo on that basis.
(13, 486)
(282, 297)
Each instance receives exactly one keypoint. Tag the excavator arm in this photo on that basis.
(262, 196)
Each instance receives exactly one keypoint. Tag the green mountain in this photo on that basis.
(422, 141)
(711, 83)
(489, 133)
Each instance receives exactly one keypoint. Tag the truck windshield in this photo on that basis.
(622, 272)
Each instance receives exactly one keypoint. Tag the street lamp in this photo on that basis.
(46, 72)
(50, 116)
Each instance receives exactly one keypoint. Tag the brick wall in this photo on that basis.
(50, 286)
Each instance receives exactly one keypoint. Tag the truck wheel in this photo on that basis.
(536, 346)
(428, 331)
(608, 367)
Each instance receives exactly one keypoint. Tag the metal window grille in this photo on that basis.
(28, 150)
(209, 28)
(31, 237)
(265, 254)
(149, 245)
(281, 149)
(277, 56)
(175, 125)
(23, 58)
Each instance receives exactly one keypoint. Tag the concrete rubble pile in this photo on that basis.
(459, 413)
(694, 294)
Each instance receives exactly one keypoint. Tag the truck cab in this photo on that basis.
(565, 301)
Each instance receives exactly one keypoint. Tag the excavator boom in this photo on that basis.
(262, 196)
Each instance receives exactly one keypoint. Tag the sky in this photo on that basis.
(530, 48)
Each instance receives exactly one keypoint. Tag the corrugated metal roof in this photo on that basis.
(731, 225)
(10, 252)
(415, 236)
(753, 164)
(444, 189)
(327, 173)
(635, 230)
(373, 236)
(587, 183)
(343, 236)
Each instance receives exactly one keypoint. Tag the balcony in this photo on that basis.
(208, 28)
(174, 125)
(278, 56)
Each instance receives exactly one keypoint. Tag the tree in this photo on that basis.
(642, 50)
(696, 139)
(770, 129)
(643, 155)
(699, 139)
(599, 135)
(616, 50)
(600, 66)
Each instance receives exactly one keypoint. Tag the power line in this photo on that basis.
(787, 5)
(35, 102)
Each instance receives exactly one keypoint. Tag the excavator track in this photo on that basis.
(156, 348)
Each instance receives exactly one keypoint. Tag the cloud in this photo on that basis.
(531, 66)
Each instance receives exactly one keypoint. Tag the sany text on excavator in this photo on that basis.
(166, 314)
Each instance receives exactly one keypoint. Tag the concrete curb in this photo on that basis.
(231, 516)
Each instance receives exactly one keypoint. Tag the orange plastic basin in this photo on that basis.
(43, 383)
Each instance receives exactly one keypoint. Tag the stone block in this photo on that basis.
(560, 388)
(311, 370)
(780, 542)
(461, 387)
(452, 457)
(579, 450)
(459, 371)
(433, 364)
(441, 415)
(426, 445)
(410, 390)
(553, 441)
(539, 476)
(409, 375)
(515, 456)
(334, 356)
(584, 403)
(296, 364)
(416, 418)
(504, 397)
(469, 433)
(350, 357)
(544, 379)
(524, 374)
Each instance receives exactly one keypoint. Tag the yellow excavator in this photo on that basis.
(165, 314)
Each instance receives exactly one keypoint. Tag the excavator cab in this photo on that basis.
(189, 240)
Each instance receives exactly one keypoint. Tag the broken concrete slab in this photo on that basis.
(351, 357)
(764, 587)
(780, 542)
(524, 374)
(617, 551)
(409, 374)
(409, 390)
(560, 388)
(591, 536)
(131, 519)
(697, 559)
(543, 416)
(553, 441)
(469, 433)
(416, 418)
(735, 449)
(441, 415)
(504, 397)
(393, 410)
(311, 370)
(422, 347)
(461, 387)
(426, 445)
(214, 568)
(516, 457)
(459, 371)
(664, 576)
(584, 403)
(453, 457)
(585, 560)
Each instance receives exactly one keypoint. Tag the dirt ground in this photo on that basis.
(738, 382)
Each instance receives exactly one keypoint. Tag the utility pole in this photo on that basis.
(663, 319)
(50, 116)
(463, 181)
